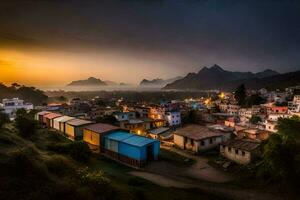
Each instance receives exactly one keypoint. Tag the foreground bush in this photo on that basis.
(80, 151)
(26, 126)
(3, 119)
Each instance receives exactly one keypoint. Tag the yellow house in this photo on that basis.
(74, 128)
(92, 135)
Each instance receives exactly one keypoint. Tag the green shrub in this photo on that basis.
(3, 119)
(26, 163)
(80, 151)
(59, 148)
(26, 126)
(95, 180)
(59, 165)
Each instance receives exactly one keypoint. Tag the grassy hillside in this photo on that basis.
(32, 169)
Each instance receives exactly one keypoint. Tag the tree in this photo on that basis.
(25, 125)
(282, 152)
(190, 117)
(3, 119)
(255, 119)
(289, 128)
(240, 94)
(254, 99)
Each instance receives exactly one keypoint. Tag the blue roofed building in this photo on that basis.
(131, 149)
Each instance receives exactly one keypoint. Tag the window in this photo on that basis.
(192, 142)
(210, 141)
(202, 142)
(243, 153)
(237, 151)
(229, 149)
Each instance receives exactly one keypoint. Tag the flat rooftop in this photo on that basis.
(101, 127)
(129, 138)
(78, 122)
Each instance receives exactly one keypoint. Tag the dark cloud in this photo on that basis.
(242, 35)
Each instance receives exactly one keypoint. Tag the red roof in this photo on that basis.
(101, 128)
(52, 115)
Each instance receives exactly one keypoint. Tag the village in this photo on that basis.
(132, 133)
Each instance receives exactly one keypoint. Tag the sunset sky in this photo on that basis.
(54, 42)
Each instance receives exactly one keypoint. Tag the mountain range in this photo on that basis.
(88, 82)
(216, 77)
(158, 82)
(92, 81)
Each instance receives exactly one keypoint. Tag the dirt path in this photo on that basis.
(166, 181)
(200, 175)
(200, 170)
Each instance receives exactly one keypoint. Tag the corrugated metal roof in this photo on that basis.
(63, 119)
(159, 130)
(43, 113)
(138, 141)
(243, 144)
(52, 115)
(78, 122)
(131, 139)
(197, 132)
(119, 135)
(101, 127)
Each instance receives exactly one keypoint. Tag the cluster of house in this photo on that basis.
(140, 128)
(108, 140)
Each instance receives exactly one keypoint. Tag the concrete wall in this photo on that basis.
(70, 131)
(236, 155)
(209, 143)
(178, 141)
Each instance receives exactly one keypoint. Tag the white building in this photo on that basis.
(294, 106)
(124, 116)
(173, 118)
(10, 106)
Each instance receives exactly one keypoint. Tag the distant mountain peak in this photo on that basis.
(158, 82)
(216, 67)
(216, 77)
(91, 81)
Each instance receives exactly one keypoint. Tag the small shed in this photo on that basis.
(74, 128)
(39, 116)
(60, 123)
(162, 133)
(131, 149)
(241, 151)
(93, 135)
(48, 119)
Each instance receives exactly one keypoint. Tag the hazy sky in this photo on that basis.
(54, 42)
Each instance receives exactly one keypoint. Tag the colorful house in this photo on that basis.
(74, 128)
(60, 123)
(48, 119)
(40, 116)
(130, 149)
(93, 135)
(173, 118)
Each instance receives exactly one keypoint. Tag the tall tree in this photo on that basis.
(281, 154)
(3, 119)
(240, 94)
